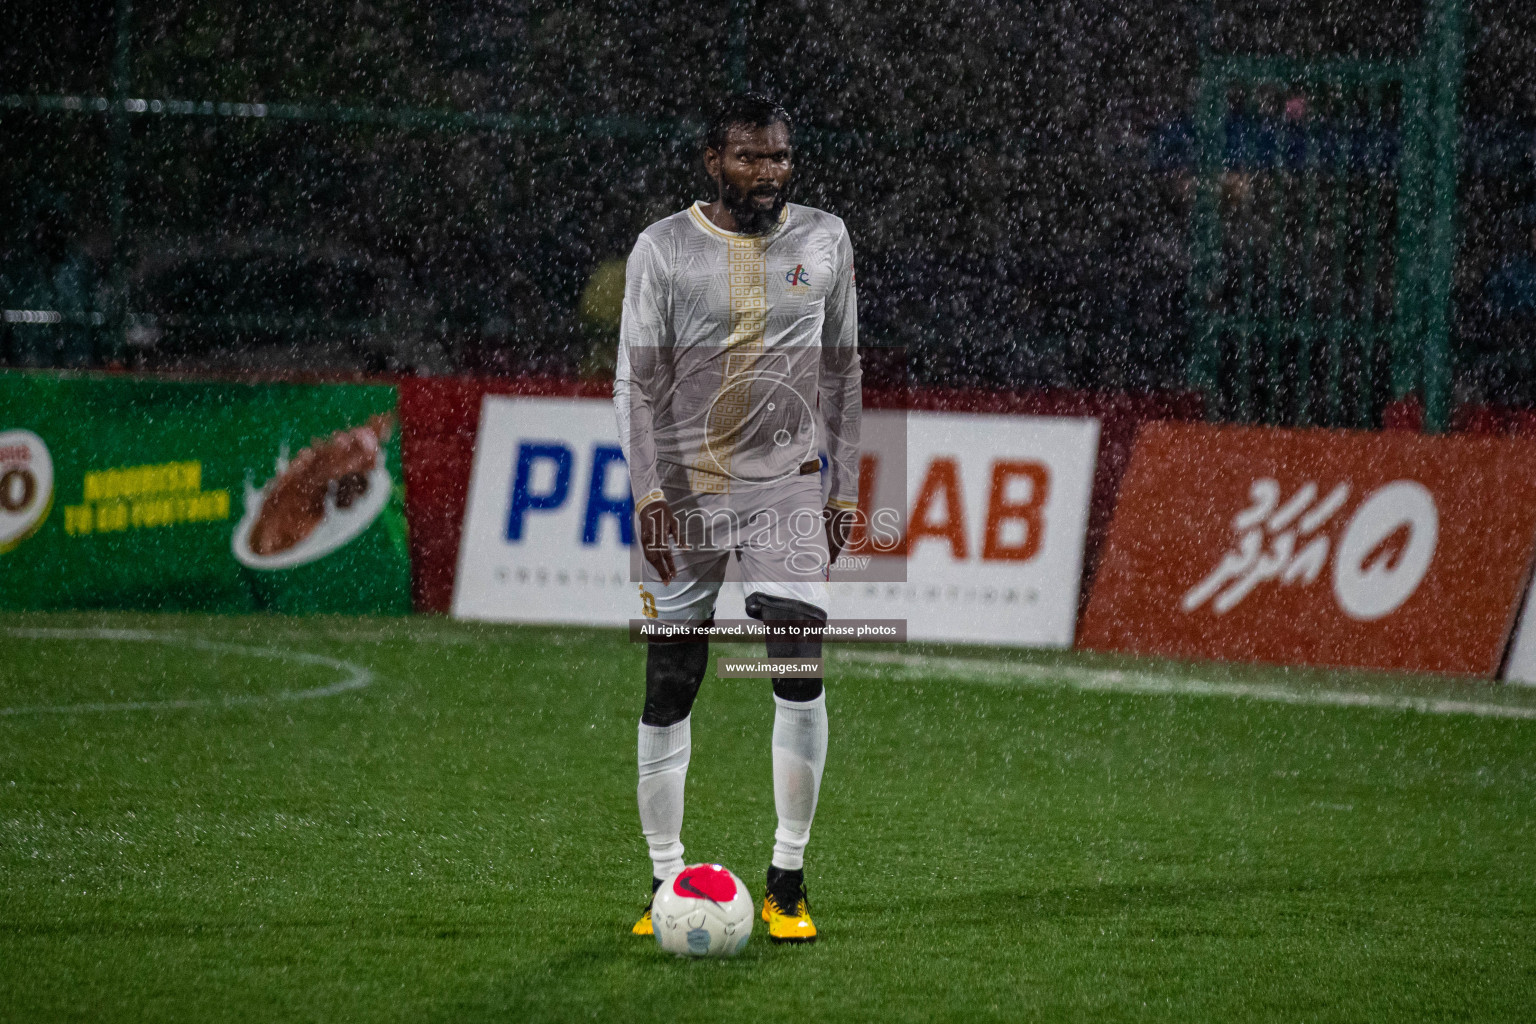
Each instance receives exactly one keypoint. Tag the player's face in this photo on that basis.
(753, 170)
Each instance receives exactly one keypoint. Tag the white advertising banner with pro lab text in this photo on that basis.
(549, 519)
(549, 522)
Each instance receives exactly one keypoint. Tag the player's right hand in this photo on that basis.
(658, 531)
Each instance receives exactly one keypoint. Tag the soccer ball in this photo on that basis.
(703, 910)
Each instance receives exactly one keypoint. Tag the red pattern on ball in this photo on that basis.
(706, 881)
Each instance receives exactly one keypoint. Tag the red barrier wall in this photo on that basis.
(1478, 420)
(439, 418)
(440, 415)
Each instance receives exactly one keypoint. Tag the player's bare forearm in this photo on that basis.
(658, 531)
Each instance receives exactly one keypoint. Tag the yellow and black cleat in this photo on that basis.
(644, 925)
(786, 908)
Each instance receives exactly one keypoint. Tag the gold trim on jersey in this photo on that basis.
(711, 472)
(748, 279)
(703, 221)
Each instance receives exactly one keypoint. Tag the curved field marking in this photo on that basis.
(1000, 673)
(354, 676)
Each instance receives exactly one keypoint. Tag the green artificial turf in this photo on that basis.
(457, 841)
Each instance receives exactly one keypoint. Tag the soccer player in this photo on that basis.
(738, 363)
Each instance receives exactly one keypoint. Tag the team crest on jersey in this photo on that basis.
(798, 279)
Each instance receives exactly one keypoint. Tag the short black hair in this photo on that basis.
(746, 110)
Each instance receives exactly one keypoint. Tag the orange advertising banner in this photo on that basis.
(1316, 547)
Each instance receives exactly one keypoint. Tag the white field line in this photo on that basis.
(1008, 673)
(353, 676)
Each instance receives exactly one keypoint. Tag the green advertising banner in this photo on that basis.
(120, 492)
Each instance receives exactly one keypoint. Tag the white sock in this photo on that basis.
(799, 754)
(664, 751)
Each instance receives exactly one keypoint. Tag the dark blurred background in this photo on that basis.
(450, 186)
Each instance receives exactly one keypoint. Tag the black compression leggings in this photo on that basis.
(674, 671)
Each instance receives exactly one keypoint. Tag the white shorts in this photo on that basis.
(775, 531)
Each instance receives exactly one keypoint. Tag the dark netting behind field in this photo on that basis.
(452, 187)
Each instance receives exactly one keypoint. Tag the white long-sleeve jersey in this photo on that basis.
(729, 347)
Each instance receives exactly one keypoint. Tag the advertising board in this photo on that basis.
(1381, 550)
(1520, 662)
(997, 507)
(120, 492)
(988, 535)
(549, 520)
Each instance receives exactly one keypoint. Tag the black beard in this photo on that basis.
(750, 218)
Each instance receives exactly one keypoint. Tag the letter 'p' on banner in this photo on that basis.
(1315, 547)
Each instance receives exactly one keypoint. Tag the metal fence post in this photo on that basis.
(1445, 48)
(736, 45)
(1205, 361)
(117, 170)
(1409, 270)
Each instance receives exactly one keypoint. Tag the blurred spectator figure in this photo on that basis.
(46, 284)
(1509, 315)
(599, 309)
(1510, 290)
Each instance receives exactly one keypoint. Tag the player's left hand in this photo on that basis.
(658, 531)
(839, 524)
